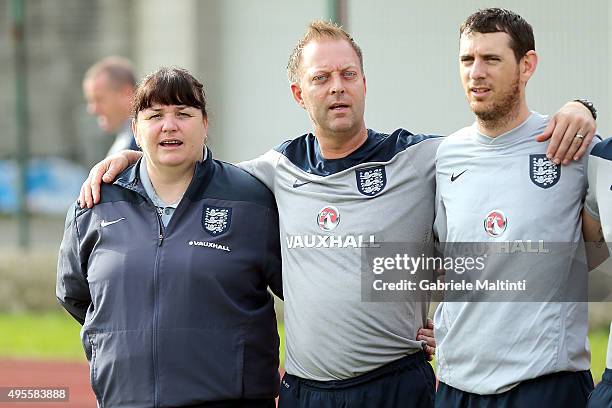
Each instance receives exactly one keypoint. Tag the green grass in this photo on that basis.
(56, 336)
(51, 336)
(44, 336)
(281, 334)
(599, 346)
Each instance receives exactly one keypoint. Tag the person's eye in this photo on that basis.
(319, 78)
(185, 114)
(350, 74)
(154, 116)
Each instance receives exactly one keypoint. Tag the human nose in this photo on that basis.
(337, 85)
(477, 70)
(92, 108)
(169, 124)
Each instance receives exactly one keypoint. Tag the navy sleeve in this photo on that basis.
(272, 254)
(72, 289)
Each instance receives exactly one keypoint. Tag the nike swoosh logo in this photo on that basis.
(453, 177)
(107, 223)
(298, 183)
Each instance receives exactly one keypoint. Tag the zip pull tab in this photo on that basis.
(160, 237)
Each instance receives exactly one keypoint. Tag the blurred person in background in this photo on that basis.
(108, 88)
(169, 273)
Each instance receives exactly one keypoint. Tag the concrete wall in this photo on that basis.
(249, 92)
(411, 62)
(166, 35)
(239, 48)
(411, 54)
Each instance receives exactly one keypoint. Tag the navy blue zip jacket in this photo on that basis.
(177, 315)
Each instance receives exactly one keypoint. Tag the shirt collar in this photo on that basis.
(510, 136)
(150, 190)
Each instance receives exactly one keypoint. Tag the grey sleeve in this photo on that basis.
(72, 289)
(439, 227)
(272, 254)
(440, 221)
(263, 167)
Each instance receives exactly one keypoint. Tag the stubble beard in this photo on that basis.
(502, 111)
(348, 126)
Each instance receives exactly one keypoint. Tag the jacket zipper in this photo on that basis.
(92, 375)
(160, 240)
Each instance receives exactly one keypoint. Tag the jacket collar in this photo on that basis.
(130, 177)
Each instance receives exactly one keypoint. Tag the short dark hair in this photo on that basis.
(494, 20)
(169, 86)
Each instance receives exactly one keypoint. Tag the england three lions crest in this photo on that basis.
(371, 180)
(216, 220)
(543, 172)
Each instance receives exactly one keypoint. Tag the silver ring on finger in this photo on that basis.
(579, 136)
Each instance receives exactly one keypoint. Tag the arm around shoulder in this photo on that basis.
(596, 248)
(263, 167)
(106, 171)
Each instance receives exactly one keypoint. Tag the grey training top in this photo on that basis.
(489, 347)
(384, 191)
(599, 200)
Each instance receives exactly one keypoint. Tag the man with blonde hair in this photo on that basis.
(340, 189)
(109, 87)
(318, 30)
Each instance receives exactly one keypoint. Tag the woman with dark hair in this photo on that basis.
(169, 273)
